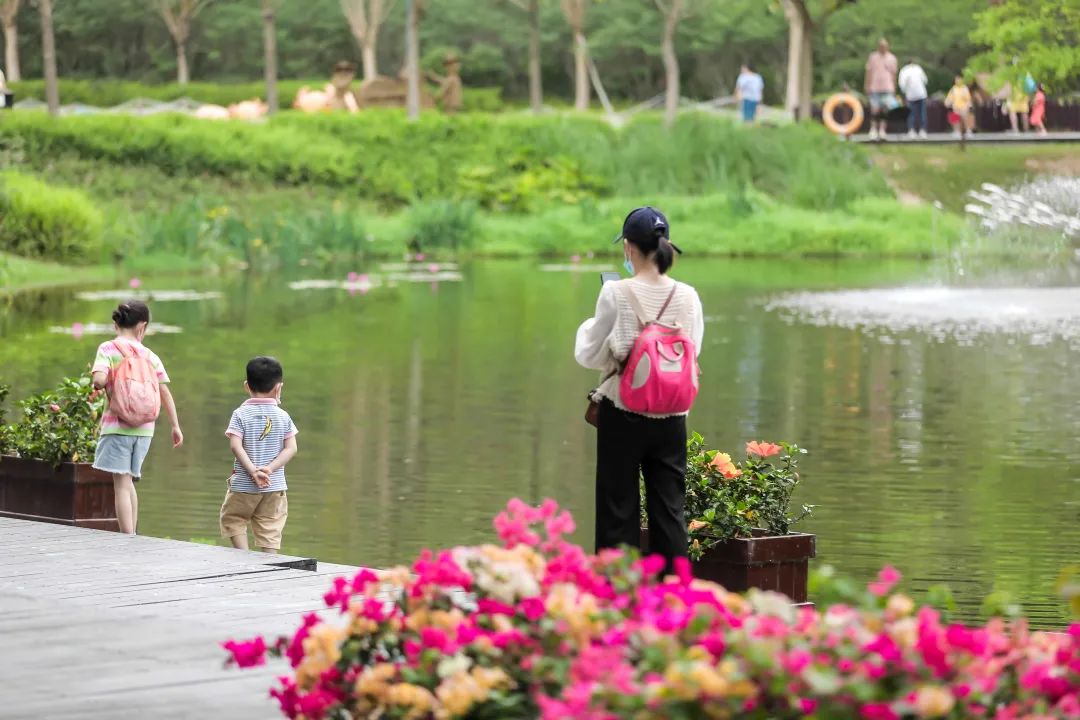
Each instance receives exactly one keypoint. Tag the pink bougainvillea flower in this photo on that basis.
(134, 283)
(762, 449)
(807, 706)
(886, 581)
(246, 653)
(878, 711)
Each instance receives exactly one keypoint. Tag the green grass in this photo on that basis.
(17, 273)
(945, 174)
(514, 162)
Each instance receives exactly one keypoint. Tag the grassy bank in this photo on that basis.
(511, 163)
(17, 273)
(945, 174)
(178, 194)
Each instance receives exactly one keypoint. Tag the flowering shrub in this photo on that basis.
(57, 426)
(726, 499)
(537, 628)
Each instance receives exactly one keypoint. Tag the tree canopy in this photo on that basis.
(1037, 38)
(127, 39)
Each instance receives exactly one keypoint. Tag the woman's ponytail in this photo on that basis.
(664, 256)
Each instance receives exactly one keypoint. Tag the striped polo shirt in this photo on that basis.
(264, 427)
(108, 358)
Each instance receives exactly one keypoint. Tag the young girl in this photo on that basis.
(122, 448)
(1038, 110)
(959, 101)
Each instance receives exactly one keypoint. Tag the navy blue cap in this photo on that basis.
(643, 224)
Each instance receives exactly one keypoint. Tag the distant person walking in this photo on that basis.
(1038, 110)
(880, 86)
(960, 103)
(912, 82)
(749, 89)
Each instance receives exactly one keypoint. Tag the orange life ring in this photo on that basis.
(852, 125)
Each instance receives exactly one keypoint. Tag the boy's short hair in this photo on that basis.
(263, 373)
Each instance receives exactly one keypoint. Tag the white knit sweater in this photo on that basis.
(604, 340)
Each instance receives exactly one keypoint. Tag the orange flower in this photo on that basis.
(697, 525)
(723, 465)
(762, 449)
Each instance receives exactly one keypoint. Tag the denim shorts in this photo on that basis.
(882, 102)
(122, 454)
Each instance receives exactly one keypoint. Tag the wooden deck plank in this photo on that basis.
(136, 623)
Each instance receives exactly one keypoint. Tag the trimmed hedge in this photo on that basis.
(110, 93)
(41, 221)
(504, 162)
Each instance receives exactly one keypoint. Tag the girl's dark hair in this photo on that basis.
(657, 245)
(130, 313)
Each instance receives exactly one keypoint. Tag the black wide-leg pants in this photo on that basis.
(626, 444)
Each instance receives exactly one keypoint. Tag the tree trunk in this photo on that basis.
(182, 74)
(671, 65)
(806, 75)
(11, 52)
(368, 54)
(270, 56)
(536, 89)
(412, 59)
(581, 72)
(796, 29)
(48, 55)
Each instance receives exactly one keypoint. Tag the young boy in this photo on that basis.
(263, 439)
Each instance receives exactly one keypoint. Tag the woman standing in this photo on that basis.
(630, 444)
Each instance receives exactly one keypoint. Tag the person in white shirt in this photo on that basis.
(912, 82)
(631, 445)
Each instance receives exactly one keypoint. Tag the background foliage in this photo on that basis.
(126, 39)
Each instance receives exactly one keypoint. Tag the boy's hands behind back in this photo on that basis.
(262, 477)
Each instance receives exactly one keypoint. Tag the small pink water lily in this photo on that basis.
(433, 268)
(77, 330)
(353, 276)
(886, 581)
(420, 257)
(575, 259)
(134, 283)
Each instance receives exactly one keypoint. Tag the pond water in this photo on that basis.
(424, 407)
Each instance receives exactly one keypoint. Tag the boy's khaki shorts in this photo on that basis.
(265, 511)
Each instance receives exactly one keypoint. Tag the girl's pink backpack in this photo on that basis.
(134, 396)
(661, 372)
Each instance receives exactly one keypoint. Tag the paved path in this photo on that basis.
(97, 624)
(987, 138)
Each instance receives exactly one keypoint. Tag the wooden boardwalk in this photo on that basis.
(987, 138)
(97, 624)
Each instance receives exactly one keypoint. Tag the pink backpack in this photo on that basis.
(661, 373)
(134, 396)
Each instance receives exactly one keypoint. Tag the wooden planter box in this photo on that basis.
(780, 563)
(73, 494)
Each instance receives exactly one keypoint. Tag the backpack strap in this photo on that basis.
(639, 310)
(635, 304)
(120, 348)
(664, 307)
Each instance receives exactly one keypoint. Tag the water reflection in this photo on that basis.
(422, 409)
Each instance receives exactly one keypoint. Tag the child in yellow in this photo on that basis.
(959, 101)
